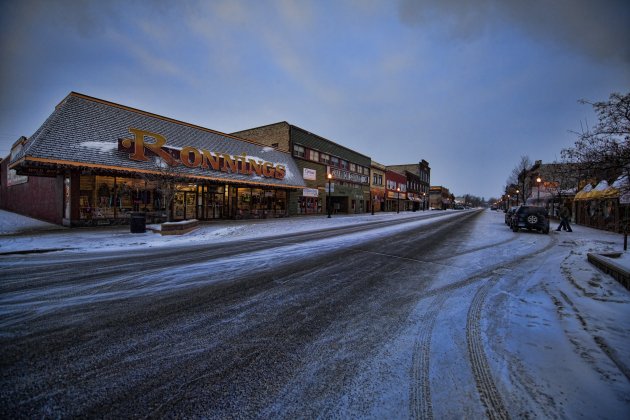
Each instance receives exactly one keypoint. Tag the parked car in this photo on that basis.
(530, 218)
(508, 215)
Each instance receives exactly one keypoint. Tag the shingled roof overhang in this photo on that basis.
(84, 132)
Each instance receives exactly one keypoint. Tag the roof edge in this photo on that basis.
(74, 164)
(335, 143)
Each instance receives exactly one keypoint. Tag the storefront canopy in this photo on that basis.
(602, 191)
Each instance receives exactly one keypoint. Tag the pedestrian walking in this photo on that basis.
(565, 213)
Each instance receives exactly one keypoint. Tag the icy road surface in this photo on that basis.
(437, 316)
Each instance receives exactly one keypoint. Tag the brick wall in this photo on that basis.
(40, 197)
(269, 135)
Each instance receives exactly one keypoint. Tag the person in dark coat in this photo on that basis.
(565, 214)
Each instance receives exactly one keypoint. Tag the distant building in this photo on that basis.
(440, 198)
(423, 171)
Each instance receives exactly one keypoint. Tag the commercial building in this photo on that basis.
(316, 157)
(423, 172)
(377, 186)
(396, 191)
(93, 162)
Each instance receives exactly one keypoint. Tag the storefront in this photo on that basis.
(604, 206)
(395, 191)
(108, 160)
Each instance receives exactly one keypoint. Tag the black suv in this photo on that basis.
(530, 218)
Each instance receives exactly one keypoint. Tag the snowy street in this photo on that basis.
(417, 315)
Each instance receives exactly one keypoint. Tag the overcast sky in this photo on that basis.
(469, 87)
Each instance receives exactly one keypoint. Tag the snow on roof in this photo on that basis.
(621, 182)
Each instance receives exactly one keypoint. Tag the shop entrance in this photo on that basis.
(214, 199)
(185, 202)
(184, 205)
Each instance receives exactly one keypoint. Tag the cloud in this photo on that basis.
(599, 30)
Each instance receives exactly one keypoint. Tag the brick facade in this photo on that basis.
(274, 135)
(46, 192)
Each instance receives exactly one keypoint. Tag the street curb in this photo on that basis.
(33, 251)
(608, 265)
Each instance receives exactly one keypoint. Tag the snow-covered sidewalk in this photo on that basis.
(22, 234)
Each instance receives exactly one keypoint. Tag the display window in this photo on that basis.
(104, 199)
(309, 205)
(258, 203)
(108, 197)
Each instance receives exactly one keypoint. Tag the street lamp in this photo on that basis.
(373, 203)
(538, 181)
(517, 192)
(424, 201)
(398, 200)
(328, 198)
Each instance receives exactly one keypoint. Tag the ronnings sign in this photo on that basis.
(192, 157)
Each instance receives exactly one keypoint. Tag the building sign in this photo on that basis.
(191, 157)
(349, 176)
(14, 179)
(309, 174)
(37, 171)
(397, 195)
(310, 192)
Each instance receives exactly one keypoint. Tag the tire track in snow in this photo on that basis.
(493, 270)
(488, 393)
(420, 406)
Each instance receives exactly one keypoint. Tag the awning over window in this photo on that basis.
(602, 191)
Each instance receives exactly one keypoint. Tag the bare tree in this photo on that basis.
(516, 180)
(561, 179)
(603, 151)
(165, 177)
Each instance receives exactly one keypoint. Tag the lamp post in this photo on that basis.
(538, 181)
(424, 201)
(373, 203)
(328, 198)
(517, 192)
(398, 200)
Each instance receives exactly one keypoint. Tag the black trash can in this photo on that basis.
(138, 222)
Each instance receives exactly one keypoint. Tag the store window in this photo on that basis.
(313, 155)
(103, 198)
(325, 158)
(309, 205)
(258, 203)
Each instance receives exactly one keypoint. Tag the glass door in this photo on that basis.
(213, 203)
(179, 206)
